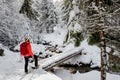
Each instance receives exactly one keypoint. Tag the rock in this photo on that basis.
(1, 52)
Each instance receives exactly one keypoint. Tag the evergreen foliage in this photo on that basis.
(67, 3)
(108, 2)
(67, 8)
(48, 18)
(26, 8)
(114, 63)
(78, 37)
(114, 67)
(66, 17)
(74, 20)
(94, 38)
(67, 36)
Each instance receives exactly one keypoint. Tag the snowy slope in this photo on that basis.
(12, 68)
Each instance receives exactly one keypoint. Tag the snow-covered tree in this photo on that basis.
(74, 19)
(11, 23)
(95, 19)
(27, 9)
(96, 22)
(111, 22)
(48, 16)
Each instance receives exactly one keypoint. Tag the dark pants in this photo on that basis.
(27, 59)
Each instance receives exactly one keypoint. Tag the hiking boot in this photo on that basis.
(36, 67)
(26, 72)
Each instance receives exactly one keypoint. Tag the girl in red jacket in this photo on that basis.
(26, 51)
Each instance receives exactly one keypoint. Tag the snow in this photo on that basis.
(55, 38)
(40, 74)
(108, 49)
(12, 65)
(50, 77)
(58, 57)
(77, 27)
(95, 75)
(72, 15)
(12, 68)
(37, 48)
(57, 1)
(89, 53)
(92, 75)
(94, 6)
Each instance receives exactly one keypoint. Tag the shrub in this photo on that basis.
(114, 63)
(78, 37)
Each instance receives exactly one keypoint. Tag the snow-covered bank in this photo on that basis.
(89, 54)
(92, 75)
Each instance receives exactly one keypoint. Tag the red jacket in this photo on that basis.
(25, 49)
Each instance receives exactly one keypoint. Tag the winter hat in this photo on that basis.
(26, 39)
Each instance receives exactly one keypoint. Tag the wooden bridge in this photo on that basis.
(60, 58)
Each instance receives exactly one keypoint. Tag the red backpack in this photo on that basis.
(25, 49)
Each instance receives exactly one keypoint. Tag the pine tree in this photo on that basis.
(97, 15)
(72, 17)
(27, 9)
(48, 17)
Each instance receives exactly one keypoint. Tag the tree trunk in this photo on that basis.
(103, 56)
(102, 42)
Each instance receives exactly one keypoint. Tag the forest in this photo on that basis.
(57, 26)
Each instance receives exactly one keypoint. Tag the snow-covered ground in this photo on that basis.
(12, 68)
(12, 65)
(92, 75)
